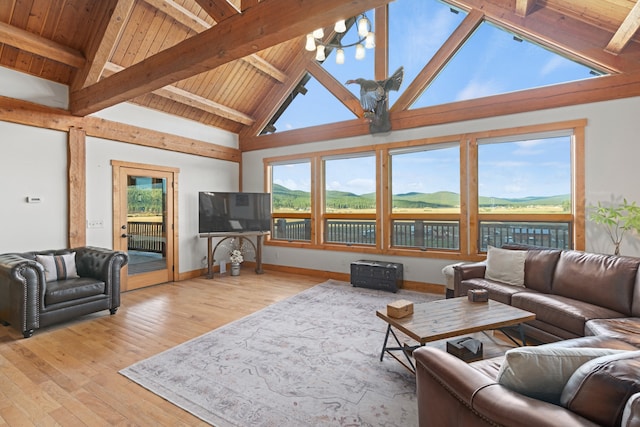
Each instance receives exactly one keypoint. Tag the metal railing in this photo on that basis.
(427, 234)
(545, 234)
(146, 236)
(431, 234)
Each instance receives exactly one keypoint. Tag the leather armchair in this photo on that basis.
(28, 302)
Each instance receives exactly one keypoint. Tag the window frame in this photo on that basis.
(469, 217)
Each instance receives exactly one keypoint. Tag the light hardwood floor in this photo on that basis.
(68, 374)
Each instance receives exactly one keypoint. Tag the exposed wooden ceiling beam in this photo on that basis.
(269, 23)
(190, 20)
(277, 95)
(31, 114)
(180, 14)
(246, 4)
(219, 10)
(626, 31)
(187, 98)
(524, 7)
(102, 45)
(338, 90)
(578, 40)
(33, 43)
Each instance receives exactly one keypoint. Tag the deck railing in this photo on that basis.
(431, 234)
(146, 236)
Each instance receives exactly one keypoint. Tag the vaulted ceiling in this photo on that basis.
(231, 64)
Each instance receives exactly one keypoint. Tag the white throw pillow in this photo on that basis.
(58, 267)
(505, 265)
(542, 372)
(630, 408)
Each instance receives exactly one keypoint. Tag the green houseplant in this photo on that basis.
(617, 218)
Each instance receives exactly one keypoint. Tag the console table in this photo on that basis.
(211, 250)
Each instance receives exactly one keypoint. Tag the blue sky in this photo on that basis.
(490, 62)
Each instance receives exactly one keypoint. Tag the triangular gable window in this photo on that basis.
(417, 29)
(311, 105)
(494, 61)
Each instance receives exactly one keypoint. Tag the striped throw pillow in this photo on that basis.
(58, 267)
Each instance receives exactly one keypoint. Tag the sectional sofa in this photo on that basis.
(587, 310)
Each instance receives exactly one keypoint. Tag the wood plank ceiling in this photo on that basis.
(231, 63)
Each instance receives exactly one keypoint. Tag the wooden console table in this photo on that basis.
(211, 250)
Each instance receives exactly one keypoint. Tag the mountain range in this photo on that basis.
(284, 198)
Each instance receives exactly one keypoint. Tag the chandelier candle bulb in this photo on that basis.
(311, 43)
(359, 51)
(340, 26)
(319, 33)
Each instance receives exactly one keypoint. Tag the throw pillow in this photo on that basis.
(599, 389)
(58, 267)
(505, 265)
(631, 412)
(542, 372)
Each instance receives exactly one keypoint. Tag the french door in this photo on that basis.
(144, 219)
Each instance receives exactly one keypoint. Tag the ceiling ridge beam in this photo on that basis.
(38, 45)
(269, 23)
(195, 23)
(626, 31)
(184, 97)
(219, 10)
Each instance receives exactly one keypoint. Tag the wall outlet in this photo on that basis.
(95, 223)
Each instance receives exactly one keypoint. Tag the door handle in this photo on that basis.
(124, 235)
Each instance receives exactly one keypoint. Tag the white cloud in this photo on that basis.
(555, 63)
(478, 89)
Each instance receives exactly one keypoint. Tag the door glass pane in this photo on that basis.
(146, 223)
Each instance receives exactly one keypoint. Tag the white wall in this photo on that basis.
(33, 162)
(612, 153)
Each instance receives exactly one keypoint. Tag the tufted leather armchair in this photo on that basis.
(28, 302)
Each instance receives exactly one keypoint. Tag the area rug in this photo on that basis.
(310, 360)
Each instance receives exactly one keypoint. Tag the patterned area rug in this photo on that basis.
(310, 360)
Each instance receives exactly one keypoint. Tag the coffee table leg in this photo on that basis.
(406, 350)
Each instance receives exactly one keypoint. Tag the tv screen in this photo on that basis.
(233, 212)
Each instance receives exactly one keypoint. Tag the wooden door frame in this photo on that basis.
(172, 259)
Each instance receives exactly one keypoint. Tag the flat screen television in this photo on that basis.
(233, 212)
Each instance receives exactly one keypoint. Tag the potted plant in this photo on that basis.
(236, 259)
(617, 218)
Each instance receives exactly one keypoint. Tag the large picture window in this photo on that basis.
(425, 200)
(524, 191)
(436, 197)
(291, 201)
(350, 199)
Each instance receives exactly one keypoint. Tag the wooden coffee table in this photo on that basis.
(436, 320)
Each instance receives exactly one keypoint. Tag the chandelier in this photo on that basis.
(366, 40)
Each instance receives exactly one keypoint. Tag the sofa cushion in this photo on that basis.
(562, 312)
(626, 329)
(498, 291)
(599, 389)
(71, 289)
(504, 265)
(58, 267)
(542, 372)
(539, 268)
(604, 280)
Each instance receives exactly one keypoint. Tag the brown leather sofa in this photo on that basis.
(454, 393)
(28, 302)
(580, 300)
(572, 293)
